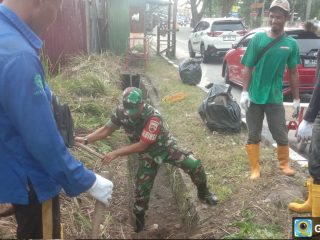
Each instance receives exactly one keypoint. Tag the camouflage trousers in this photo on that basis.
(149, 166)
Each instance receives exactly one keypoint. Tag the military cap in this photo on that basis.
(131, 100)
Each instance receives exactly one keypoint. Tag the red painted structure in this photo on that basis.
(67, 35)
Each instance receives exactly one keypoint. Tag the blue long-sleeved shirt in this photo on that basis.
(31, 147)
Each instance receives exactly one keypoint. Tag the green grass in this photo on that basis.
(249, 229)
(90, 91)
(187, 126)
(223, 155)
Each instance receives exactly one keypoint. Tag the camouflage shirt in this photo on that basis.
(134, 128)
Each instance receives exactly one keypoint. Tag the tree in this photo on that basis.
(198, 8)
(245, 11)
(226, 7)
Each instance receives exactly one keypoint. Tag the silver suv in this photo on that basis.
(214, 36)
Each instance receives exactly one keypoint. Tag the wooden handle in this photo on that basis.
(98, 213)
(88, 149)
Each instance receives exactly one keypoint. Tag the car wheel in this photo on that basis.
(204, 56)
(191, 52)
(226, 74)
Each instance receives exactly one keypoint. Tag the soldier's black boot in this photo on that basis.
(139, 222)
(206, 196)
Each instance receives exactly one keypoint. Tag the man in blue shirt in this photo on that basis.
(34, 162)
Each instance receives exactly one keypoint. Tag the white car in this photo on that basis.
(215, 36)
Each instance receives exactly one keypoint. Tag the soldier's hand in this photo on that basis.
(80, 139)
(109, 157)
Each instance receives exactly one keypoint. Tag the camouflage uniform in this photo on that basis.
(163, 150)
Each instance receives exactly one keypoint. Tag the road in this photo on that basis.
(211, 72)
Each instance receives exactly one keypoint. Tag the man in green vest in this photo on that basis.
(263, 85)
(151, 139)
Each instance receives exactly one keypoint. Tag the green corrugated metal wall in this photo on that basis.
(119, 23)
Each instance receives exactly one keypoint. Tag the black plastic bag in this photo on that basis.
(64, 121)
(220, 111)
(190, 71)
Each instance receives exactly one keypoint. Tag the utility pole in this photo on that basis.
(262, 13)
(174, 28)
(308, 10)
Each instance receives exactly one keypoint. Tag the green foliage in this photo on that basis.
(103, 147)
(224, 192)
(91, 108)
(83, 221)
(249, 229)
(138, 48)
(91, 90)
(87, 85)
(216, 8)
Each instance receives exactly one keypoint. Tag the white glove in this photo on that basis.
(101, 189)
(245, 100)
(296, 108)
(305, 130)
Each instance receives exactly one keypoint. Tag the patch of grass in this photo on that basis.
(91, 108)
(224, 158)
(83, 221)
(90, 90)
(88, 85)
(248, 229)
(103, 147)
(225, 192)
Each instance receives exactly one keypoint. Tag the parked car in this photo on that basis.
(232, 69)
(214, 36)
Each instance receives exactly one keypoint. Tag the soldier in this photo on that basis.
(151, 139)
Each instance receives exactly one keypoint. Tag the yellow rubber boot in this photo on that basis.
(307, 205)
(253, 151)
(283, 156)
(315, 200)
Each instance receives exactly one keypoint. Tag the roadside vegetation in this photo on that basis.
(226, 164)
(91, 86)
